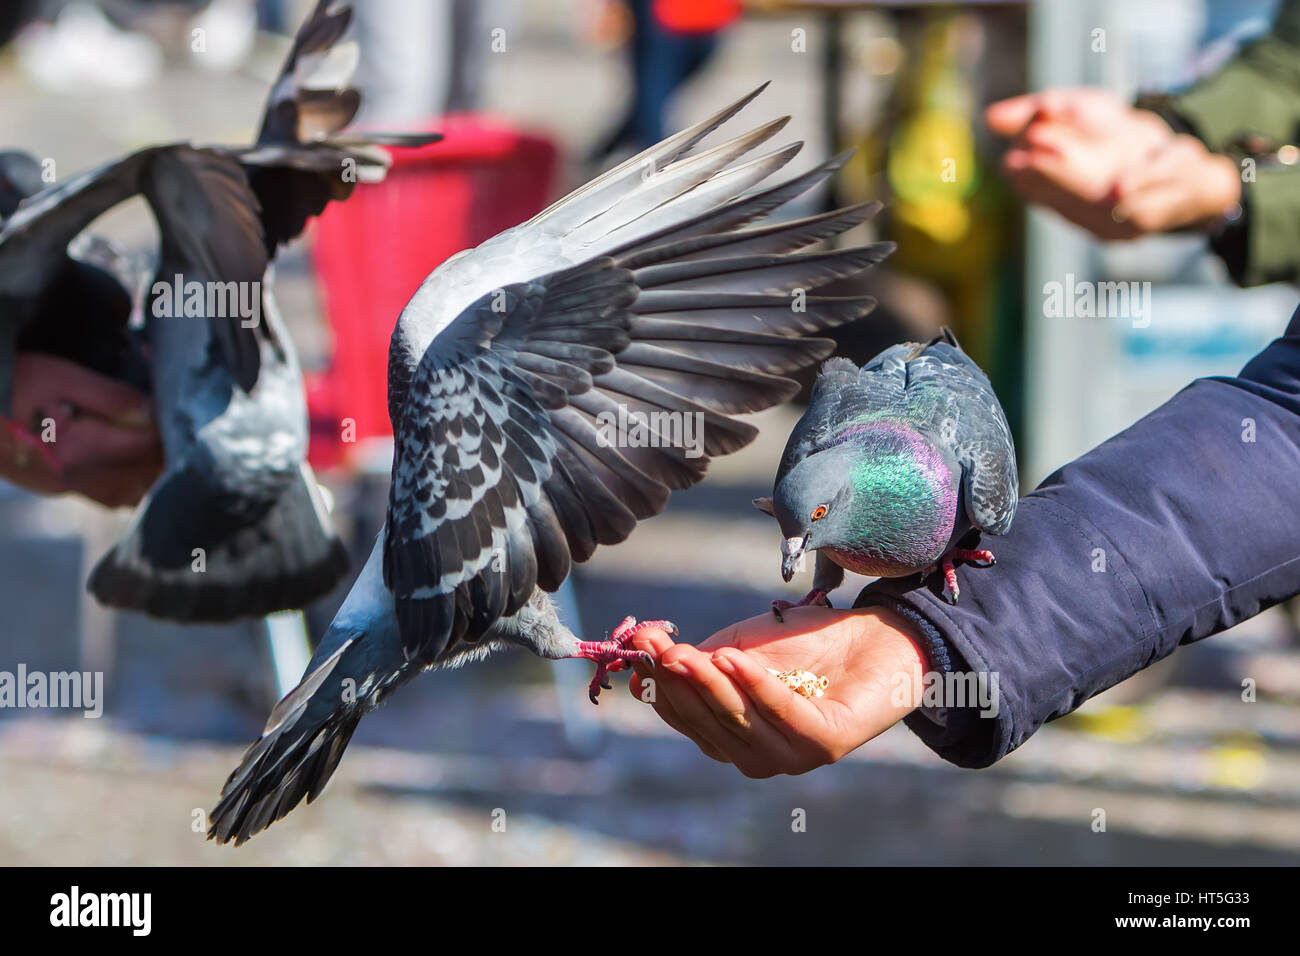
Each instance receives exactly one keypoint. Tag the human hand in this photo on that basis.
(1088, 110)
(75, 430)
(1117, 171)
(1181, 184)
(722, 696)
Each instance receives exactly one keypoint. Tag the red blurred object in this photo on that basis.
(373, 251)
(696, 16)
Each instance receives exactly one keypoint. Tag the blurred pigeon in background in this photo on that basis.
(645, 296)
(235, 526)
(891, 466)
(71, 297)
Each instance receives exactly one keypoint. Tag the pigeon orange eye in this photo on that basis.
(819, 513)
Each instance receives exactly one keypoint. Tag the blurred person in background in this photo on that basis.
(1177, 528)
(669, 41)
(68, 45)
(1221, 157)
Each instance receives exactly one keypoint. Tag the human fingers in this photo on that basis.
(103, 397)
(732, 709)
(80, 443)
(645, 685)
(1009, 117)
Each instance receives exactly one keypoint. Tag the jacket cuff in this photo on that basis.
(995, 636)
(939, 657)
(957, 734)
(1272, 228)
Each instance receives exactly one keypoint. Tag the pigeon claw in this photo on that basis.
(951, 589)
(979, 558)
(816, 597)
(616, 654)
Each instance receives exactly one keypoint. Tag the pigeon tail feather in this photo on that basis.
(358, 662)
(194, 553)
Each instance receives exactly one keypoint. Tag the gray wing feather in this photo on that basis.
(951, 397)
(678, 309)
(297, 166)
(511, 397)
(497, 482)
(210, 229)
(34, 241)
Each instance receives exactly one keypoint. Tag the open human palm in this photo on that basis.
(724, 695)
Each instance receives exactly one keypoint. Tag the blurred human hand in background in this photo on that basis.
(722, 696)
(75, 430)
(1117, 171)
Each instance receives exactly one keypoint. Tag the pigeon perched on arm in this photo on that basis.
(645, 293)
(891, 466)
(235, 526)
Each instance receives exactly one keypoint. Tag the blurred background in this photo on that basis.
(536, 96)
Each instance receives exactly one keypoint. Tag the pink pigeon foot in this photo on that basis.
(979, 558)
(616, 653)
(815, 597)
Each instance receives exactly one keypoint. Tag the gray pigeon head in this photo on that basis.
(814, 504)
(20, 177)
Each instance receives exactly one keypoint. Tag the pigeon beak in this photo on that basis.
(792, 550)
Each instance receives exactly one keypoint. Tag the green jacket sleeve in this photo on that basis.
(1264, 245)
(1256, 94)
(1251, 109)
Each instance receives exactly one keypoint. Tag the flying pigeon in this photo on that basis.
(648, 293)
(84, 303)
(235, 526)
(891, 466)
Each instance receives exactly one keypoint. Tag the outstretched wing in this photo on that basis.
(297, 167)
(554, 413)
(486, 476)
(518, 451)
(301, 163)
(210, 230)
(206, 213)
(34, 240)
(307, 102)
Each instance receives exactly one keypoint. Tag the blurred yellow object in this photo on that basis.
(1238, 763)
(1125, 725)
(945, 222)
(933, 157)
(932, 170)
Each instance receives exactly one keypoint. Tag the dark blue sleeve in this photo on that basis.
(1175, 529)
